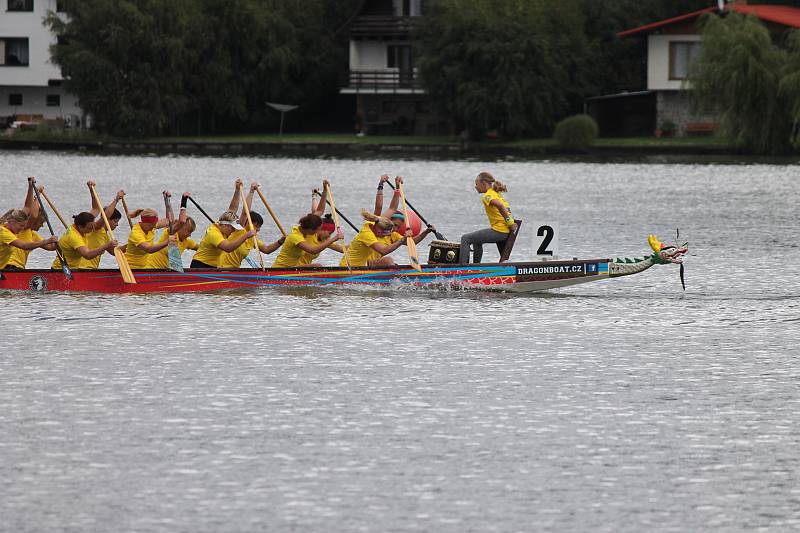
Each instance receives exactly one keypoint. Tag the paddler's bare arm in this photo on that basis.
(379, 195)
(504, 213)
(269, 248)
(337, 235)
(88, 253)
(229, 245)
(234, 205)
(386, 249)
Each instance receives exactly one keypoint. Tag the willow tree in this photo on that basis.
(750, 80)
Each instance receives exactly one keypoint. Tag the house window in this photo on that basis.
(20, 5)
(13, 52)
(681, 57)
(53, 100)
(15, 99)
(398, 56)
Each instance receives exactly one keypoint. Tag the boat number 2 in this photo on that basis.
(547, 233)
(545, 239)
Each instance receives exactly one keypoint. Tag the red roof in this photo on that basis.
(785, 15)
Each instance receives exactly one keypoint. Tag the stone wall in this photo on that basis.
(676, 107)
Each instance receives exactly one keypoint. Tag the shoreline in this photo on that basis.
(435, 150)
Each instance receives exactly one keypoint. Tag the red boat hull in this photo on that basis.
(504, 276)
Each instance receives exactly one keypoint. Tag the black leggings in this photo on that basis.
(199, 264)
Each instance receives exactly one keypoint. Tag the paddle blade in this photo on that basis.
(124, 267)
(683, 284)
(439, 236)
(251, 261)
(412, 254)
(64, 266)
(174, 256)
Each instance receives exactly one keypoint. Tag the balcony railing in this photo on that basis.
(382, 27)
(383, 80)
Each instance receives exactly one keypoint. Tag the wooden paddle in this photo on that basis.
(271, 212)
(122, 261)
(339, 213)
(336, 223)
(173, 252)
(422, 218)
(250, 225)
(127, 215)
(64, 266)
(412, 246)
(53, 207)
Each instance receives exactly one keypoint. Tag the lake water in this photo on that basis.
(623, 405)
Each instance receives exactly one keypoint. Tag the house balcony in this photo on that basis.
(382, 27)
(391, 81)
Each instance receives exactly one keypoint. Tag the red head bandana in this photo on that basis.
(150, 219)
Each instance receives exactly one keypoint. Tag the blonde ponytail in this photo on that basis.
(495, 184)
(381, 222)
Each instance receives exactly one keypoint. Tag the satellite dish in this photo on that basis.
(283, 108)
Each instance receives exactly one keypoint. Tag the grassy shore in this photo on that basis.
(709, 144)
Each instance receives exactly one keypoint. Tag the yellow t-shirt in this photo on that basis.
(95, 239)
(69, 244)
(496, 220)
(209, 252)
(307, 258)
(6, 248)
(290, 254)
(19, 257)
(360, 251)
(160, 259)
(137, 258)
(234, 259)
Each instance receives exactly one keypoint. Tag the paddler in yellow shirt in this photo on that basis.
(182, 230)
(99, 236)
(303, 243)
(12, 223)
(219, 236)
(376, 240)
(141, 240)
(75, 246)
(234, 259)
(19, 256)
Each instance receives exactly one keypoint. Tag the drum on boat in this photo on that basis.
(444, 252)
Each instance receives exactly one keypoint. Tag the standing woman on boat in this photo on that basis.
(499, 213)
(75, 247)
(12, 223)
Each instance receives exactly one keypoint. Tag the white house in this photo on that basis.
(30, 84)
(383, 78)
(673, 44)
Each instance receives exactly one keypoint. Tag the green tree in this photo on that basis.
(144, 67)
(750, 81)
(123, 59)
(509, 65)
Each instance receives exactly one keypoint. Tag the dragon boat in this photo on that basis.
(516, 277)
